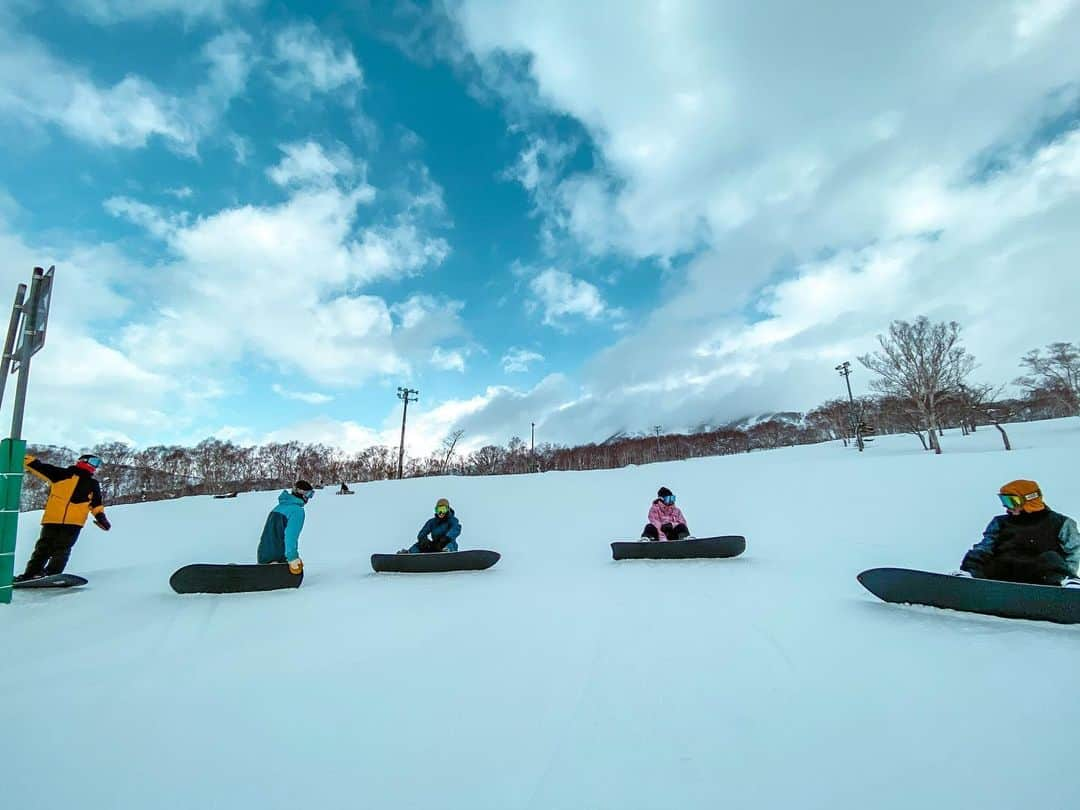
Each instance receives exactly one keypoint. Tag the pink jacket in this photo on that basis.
(661, 513)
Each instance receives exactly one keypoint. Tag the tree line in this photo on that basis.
(922, 386)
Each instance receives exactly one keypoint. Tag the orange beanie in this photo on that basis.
(1029, 491)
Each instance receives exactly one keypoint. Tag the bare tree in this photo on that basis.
(1057, 373)
(833, 418)
(448, 445)
(920, 362)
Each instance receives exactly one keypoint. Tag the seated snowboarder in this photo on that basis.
(344, 489)
(74, 495)
(281, 534)
(666, 521)
(439, 533)
(1030, 543)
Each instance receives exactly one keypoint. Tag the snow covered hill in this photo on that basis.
(559, 678)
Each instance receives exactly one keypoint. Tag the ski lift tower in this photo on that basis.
(29, 317)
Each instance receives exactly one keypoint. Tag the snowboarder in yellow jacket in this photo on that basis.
(74, 495)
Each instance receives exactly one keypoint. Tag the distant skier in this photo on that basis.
(281, 534)
(1031, 543)
(74, 495)
(344, 489)
(439, 533)
(666, 521)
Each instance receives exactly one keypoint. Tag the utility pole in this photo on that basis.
(406, 395)
(845, 372)
(656, 429)
(532, 446)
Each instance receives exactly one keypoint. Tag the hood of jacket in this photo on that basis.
(287, 498)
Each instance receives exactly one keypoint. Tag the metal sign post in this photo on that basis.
(33, 315)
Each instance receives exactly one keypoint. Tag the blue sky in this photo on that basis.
(266, 216)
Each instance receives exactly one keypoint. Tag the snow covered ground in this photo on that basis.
(559, 678)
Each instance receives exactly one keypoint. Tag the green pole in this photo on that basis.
(11, 476)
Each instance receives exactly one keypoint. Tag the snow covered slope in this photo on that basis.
(559, 678)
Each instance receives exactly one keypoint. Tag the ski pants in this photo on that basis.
(52, 549)
(428, 546)
(678, 532)
(1048, 568)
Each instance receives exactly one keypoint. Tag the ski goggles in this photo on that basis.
(1010, 501)
(93, 461)
(668, 499)
(307, 495)
(442, 511)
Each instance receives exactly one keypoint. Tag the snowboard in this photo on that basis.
(1011, 600)
(201, 578)
(727, 546)
(53, 581)
(436, 562)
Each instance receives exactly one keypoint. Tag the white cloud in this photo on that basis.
(311, 62)
(495, 415)
(308, 163)
(115, 11)
(738, 157)
(449, 359)
(181, 192)
(732, 122)
(292, 300)
(562, 296)
(310, 397)
(38, 88)
(83, 390)
(1036, 17)
(145, 216)
(345, 435)
(242, 147)
(293, 293)
(517, 360)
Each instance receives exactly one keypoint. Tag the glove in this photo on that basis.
(102, 521)
(962, 573)
(296, 567)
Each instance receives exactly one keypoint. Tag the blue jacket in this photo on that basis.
(281, 533)
(440, 529)
(997, 535)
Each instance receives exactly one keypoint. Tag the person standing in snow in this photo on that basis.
(281, 534)
(666, 521)
(1030, 543)
(74, 495)
(439, 533)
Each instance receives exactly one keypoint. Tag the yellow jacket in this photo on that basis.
(74, 494)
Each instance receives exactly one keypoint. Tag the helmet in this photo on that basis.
(89, 462)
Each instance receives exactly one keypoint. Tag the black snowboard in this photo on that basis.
(728, 546)
(53, 581)
(234, 578)
(437, 562)
(1011, 600)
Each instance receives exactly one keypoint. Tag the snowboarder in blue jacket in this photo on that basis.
(281, 534)
(440, 533)
(1031, 543)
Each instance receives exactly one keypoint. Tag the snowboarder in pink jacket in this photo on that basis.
(666, 521)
